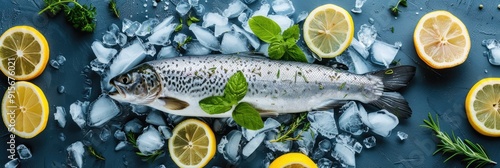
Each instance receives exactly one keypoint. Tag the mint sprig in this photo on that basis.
(234, 91)
(281, 46)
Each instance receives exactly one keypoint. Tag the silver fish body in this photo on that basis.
(176, 85)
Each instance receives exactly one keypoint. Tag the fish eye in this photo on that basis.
(125, 79)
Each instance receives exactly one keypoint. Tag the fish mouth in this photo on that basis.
(118, 90)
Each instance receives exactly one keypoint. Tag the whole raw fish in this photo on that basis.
(176, 85)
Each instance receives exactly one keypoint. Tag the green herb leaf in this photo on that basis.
(81, 17)
(246, 116)
(294, 53)
(264, 28)
(292, 33)
(113, 8)
(236, 87)
(276, 50)
(178, 28)
(403, 3)
(215, 105)
(94, 153)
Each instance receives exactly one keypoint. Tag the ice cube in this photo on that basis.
(165, 131)
(180, 38)
(269, 124)
(150, 141)
(370, 142)
(54, 64)
(155, 117)
(382, 122)
(196, 48)
(324, 163)
(306, 141)
(134, 126)
(230, 122)
(120, 135)
(13, 163)
(61, 59)
(263, 10)
(249, 1)
(122, 39)
(219, 125)
(163, 24)
(140, 110)
(233, 42)
(61, 89)
(212, 18)
(150, 49)
(243, 17)
(325, 145)
(78, 110)
(367, 35)
(113, 28)
(103, 54)
(130, 31)
(345, 138)
(174, 119)
(301, 17)
(167, 52)
(221, 29)
(323, 122)
(264, 49)
(402, 135)
(126, 23)
(283, 21)
(183, 8)
(253, 144)
(200, 9)
(276, 146)
(490, 43)
(147, 27)
(494, 56)
(360, 48)
(23, 152)
(383, 53)
(350, 120)
(283, 7)
(357, 6)
(102, 110)
(357, 147)
(344, 154)
(75, 153)
(234, 9)
(205, 37)
(254, 41)
(60, 116)
(105, 134)
(230, 146)
(193, 2)
(109, 39)
(162, 35)
(121, 145)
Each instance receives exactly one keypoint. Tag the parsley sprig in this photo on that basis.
(395, 10)
(473, 153)
(82, 17)
(281, 46)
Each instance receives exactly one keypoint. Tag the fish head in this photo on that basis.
(140, 85)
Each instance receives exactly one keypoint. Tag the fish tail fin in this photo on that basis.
(394, 79)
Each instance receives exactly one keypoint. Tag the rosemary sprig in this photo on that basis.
(473, 153)
(132, 139)
(285, 133)
(94, 153)
(112, 7)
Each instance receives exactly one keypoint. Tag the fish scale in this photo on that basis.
(273, 86)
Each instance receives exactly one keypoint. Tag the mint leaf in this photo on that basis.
(215, 105)
(290, 42)
(246, 116)
(236, 88)
(276, 50)
(264, 28)
(292, 33)
(294, 53)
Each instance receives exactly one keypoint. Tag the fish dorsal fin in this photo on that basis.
(173, 103)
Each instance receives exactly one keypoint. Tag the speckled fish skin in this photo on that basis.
(273, 86)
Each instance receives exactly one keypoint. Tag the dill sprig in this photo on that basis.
(473, 153)
(285, 133)
(132, 139)
(94, 153)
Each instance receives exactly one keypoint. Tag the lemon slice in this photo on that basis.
(25, 109)
(293, 160)
(24, 53)
(192, 144)
(328, 30)
(441, 40)
(482, 106)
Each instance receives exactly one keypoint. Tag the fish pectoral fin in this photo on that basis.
(173, 103)
(328, 105)
(267, 113)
